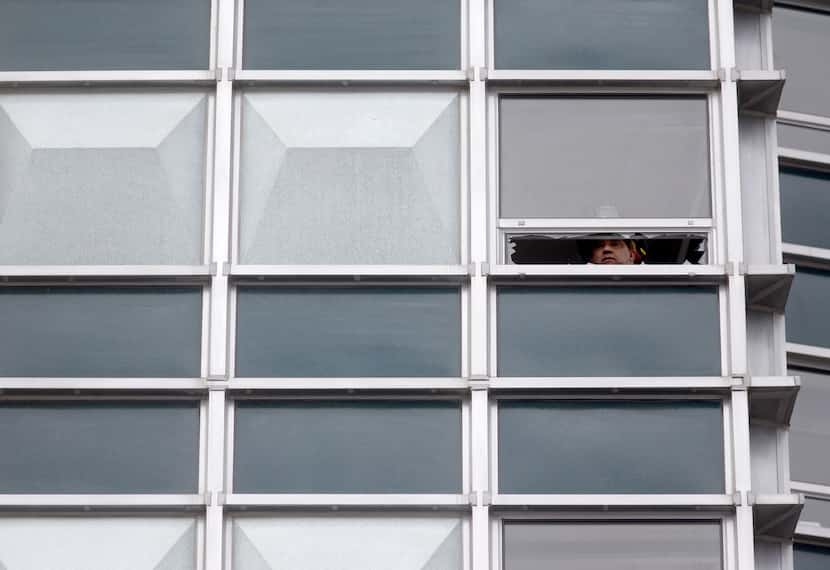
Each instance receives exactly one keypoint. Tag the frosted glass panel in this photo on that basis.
(653, 152)
(810, 557)
(359, 177)
(347, 543)
(100, 331)
(38, 35)
(601, 34)
(610, 546)
(348, 447)
(98, 543)
(810, 430)
(801, 40)
(358, 34)
(102, 177)
(608, 331)
(99, 447)
(348, 331)
(805, 201)
(559, 446)
(808, 308)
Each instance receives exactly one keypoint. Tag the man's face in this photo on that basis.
(612, 252)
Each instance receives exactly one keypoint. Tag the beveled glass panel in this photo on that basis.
(98, 542)
(61, 35)
(812, 139)
(359, 34)
(348, 331)
(348, 542)
(606, 545)
(805, 201)
(801, 40)
(608, 331)
(810, 429)
(808, 308)
(654, 153)
(810, 557)
(358, 177)
(601, 34)
(98, 177)
(121, 331)
(99, 447)
(604, 446)
(347, 447)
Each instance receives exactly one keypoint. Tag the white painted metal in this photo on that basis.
(106, 271)
(804, 350)
(89, 502)
(684, 272)
(349, 270)
(274, 501)
(615, 501)
(804, 157)
(363, 384)
(114, 77)
(630, 224)
(803, 251)
(677, 383)
(347, 77)
(215, 477)
(116, 384)
(812, 530)
(697, 79)
(803, 119)
(812, 489)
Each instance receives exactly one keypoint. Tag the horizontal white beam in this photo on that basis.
(707, 273)
(348, 271)
(804, 157)
(808, 351)
(104, 271)
(21, 78)
(812, 530)
(315, 384)
(345, 77)
(811, 489)
(777, 499)
(591, 383)
(345, 500)
(154, 384)
(699, 79)
(803, 119)
(806, 252)
(610, 501)
(592, 224)
(773, 382)
(103, 501)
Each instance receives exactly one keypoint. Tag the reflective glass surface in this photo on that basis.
(569, 446)
(101, 331)
(654, 153)
(99, 447)
(808, 308)
(805, 201)
(359, 34)
(810, 429)
(356, 177)
(348, 331)
(347, 447)
(802, 138)
(810, 557)
(801, 40)
(608, 331)
(601, 34)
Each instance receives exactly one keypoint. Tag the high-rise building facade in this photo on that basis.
(440, 285)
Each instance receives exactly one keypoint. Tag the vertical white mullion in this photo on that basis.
(480, 460)
(744, 528)
(214, 516)
(737, 325)
(217, 365)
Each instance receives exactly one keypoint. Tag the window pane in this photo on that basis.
(350, 178)
(99, 447)
(805, 201)
(808, 309)
(802, 138)
(348, 331)
(654, 154)
(810, 429)
(44, 35)
(809, 557)
(347, 447)
(607, 545)
(347, 543)
(601, 34)
(98, 543)
(100, 332)
(101, 177)
(559, 446)
(801, 43)
(360, 34)
(816, 511)
(608, 331)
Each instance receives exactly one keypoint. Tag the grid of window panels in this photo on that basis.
(804, 179)
(323, 285)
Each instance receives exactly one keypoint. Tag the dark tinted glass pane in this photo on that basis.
(100, 332)
(359, 34)
(556, 446)
(347, 447)
(809, 557)
(100, 447)
(801, 40)
(654, 153)
(608, 331)
(348, 331)
(43, 35)
(601, 34)
(606, 545)
(805, 201)
(810, 430)
(816, 510)
(808, 308)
